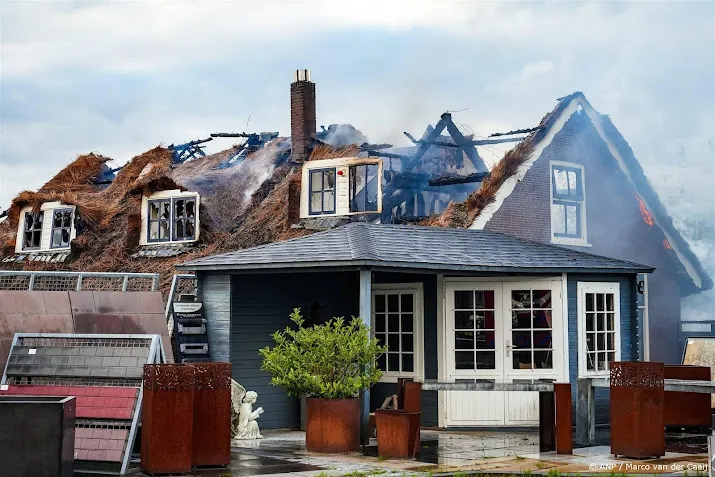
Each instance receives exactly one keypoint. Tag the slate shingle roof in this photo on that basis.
(414, 247)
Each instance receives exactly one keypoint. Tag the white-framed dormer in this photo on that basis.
(567, 193)
(397, 321)
(599, 327)
(52, 228)
(341, 187)
(170, 217)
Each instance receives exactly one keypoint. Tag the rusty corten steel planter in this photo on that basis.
(212, 414)
(687, 409)
(333, 425)
(398, 433)
(167, 418)
(637, 397)
(563, 418)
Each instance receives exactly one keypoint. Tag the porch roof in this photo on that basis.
(414, 247)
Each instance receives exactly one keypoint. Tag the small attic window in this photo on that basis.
(364, 187)
(171, 220)
(568, 208)
(32, 233)
(322, 191)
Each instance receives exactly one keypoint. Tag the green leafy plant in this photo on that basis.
(334, 360)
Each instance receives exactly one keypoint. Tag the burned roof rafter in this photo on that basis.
(190, 150)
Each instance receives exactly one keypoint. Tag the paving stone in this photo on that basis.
(43, 360)
(105, 351)
(82, 371)
(101, 372)
(140, 352)
(76, 360)
(70, 351)
(117, 372)
(87, 351)
(129, 361)
(93, 361)
(110, 361)
(134, 373)
(122, 351)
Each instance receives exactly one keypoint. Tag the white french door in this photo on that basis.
(504, 332)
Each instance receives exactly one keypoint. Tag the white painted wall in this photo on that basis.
(48, 209)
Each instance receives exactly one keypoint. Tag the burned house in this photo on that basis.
(528, 293)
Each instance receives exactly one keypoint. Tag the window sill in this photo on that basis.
(570, 241)
(168, 242)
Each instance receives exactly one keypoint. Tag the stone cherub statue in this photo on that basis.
(243, 417)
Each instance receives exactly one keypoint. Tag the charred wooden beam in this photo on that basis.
(482, 142)
(516, 131)
(434, 143)
(455, 179)
(387, 154)
(374, 147)
(466, 145)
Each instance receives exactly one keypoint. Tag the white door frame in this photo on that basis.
(446, 371)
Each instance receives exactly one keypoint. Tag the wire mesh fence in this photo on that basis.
(78, 281)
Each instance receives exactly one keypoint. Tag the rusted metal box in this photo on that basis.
(687, 409)
(37, 436)
(212, 414)
(637, 403)
(167, 418)
(398, 433)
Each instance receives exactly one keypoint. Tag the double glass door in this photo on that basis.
(504, 332)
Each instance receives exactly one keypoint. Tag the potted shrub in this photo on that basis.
(330, 363)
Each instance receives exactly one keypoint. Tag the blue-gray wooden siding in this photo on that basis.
(261, 305)
(429, 398)
(215, 292)
(629, 330)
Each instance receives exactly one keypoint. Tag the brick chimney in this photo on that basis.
(302, 116)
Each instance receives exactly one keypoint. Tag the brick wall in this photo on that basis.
(302, 119)
(615, 226)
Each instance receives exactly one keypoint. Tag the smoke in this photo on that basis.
(340, 135)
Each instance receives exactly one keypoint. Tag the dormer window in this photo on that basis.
(170, 216)
(341, 187)
(32, 233)
(568, 222)
(52, 228)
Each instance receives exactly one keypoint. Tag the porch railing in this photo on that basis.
(78, 281)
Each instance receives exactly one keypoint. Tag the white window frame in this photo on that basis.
(596, 287)
(48, 210)
(578, 241)
(418, 328)
(170, 196)
(645, 323)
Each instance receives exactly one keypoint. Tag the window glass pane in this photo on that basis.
(484, 340)
(408, 342)
(571, 221)
(600, 341)
(522, 360)
(609, 302)
(590, 321)
(165, 210)
(541, 298)
(599, 302)
(56, 237)
(542, 319)
(407, 322)
(57, 219)
(406, 304)
(485, 360)
(153, 210)
(179, 208)
(393, 361)
(589, 302)
(190, 208)
(65, 237)
(610, 321)
(558, 215)
(379, 322)
(484, 299)
(572, 182)
(611, 357)
(316, 202)
(611, 342)
(602, 362)
(600, 321)
(393, 342)
(590, 342)
(393, 303)
(542, 339)
(464, 300)
(521, 339)
(179, 230)
(153, 230)
(484, 320)
(380, 337)
(464, 340)
(316, 181)
(164, 230)
(393, 322)
(561, 183)
(591, 361)
(521, 299)
(408, 365)
(464, 320)
(521, 319)
(465, 360)
(380, 303)
(329, 180)
(328, 201)
(543, 360)
(190, 229)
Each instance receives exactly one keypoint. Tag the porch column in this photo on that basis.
(365, 315)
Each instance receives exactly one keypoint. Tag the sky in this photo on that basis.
(120, 77)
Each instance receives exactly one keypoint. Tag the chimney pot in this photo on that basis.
(301, 75)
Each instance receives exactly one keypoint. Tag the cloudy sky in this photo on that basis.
(119, 77)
